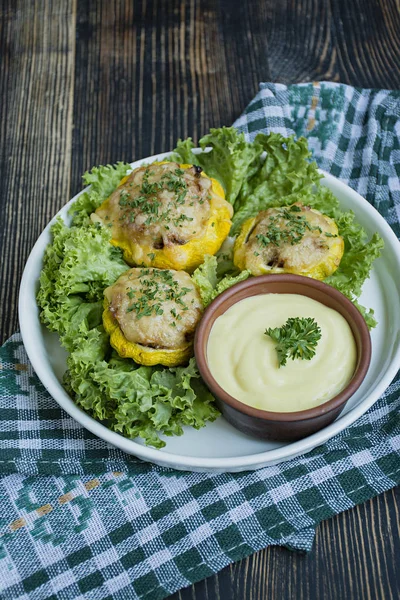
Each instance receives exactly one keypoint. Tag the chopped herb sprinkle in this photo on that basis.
(287, 226)
(156, 287)
(145, 199)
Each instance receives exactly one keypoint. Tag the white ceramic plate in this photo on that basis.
(219, 447)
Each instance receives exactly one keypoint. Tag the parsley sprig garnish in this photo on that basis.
(297, 338)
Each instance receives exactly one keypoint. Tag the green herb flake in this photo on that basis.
(156, 286)
(287, 226)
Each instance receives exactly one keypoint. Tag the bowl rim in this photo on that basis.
(201, 338)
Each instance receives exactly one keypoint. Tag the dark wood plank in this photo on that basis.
(367, 38)
(147, 75)
(37, 42)
(355, 42)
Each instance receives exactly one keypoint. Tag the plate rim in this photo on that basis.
(165, 458)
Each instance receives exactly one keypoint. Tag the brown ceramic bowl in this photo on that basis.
(275, 425)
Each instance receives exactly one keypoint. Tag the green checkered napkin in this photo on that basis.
(80, 519)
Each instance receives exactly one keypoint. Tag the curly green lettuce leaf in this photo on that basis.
(205, 278)
(225, 264)
(171, 398)
(135, 400)
(321, 198)
(231, 159)
(356, 264)
(88, 353)
(90, 263)
(102, 181)
(367, 313)
(80, 262)
(86, 317)
(228, 281)
(54, 314)
(184, 154)
(226, 156)
(286, 176)
(287, 166)
(77, 266)
(209, 284)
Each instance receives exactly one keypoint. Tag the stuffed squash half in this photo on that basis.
(151, 316)
(167, 215)
(292, 239)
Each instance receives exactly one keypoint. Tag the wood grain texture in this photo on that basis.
(148, 75)
(355, 42)
(95, 82)
(37, 48)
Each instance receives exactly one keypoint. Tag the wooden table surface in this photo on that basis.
(92, 82)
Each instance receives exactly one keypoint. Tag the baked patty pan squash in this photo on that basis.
(292, 239)
(167, 215)
(151, 316)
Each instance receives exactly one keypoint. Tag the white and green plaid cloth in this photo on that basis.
(80, 519)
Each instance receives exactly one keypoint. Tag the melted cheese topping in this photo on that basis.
(160, 204)
(244, 362)
(294, 239)
(156, 308)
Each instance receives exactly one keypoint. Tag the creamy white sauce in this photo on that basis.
(244, 362)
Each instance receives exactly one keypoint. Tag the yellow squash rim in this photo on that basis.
(190, 255)
(142, 355)
(319, 272)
